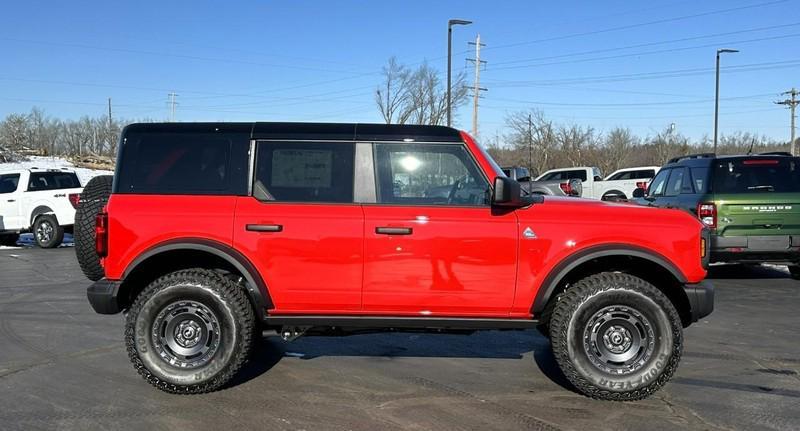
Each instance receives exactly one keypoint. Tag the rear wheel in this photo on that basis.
(616, 337)
(93, 198)
(47, 232)
(189, 331)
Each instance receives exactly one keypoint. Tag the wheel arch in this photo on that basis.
(643, 263)
(614, 192)
(184, 253)
(40, 210)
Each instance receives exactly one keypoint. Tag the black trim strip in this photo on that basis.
(401, 322)
(264, 227)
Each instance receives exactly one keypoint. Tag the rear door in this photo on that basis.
(433, 244)
(301, 227)
(757, 196)
(10, 205)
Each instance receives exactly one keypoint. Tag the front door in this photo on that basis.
(301, 228)
(433, 245)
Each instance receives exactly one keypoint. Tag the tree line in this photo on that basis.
(41, 134)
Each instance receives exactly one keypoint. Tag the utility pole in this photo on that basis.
(109, 135)
(530, 147)
(172, 104)
(476, 89)
(792, 103)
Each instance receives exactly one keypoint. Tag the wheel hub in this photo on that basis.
(186, 334)
(44, 232)
(618, 339)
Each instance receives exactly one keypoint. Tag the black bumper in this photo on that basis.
(102, 296)
(701, 299)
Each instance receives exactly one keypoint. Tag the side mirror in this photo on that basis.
(506, 193)
(638, 192)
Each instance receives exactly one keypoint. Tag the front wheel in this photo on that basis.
(616, 336)
(189, 331)
(47, 232)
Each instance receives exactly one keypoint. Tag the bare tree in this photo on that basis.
(618, 145)
(418, 96)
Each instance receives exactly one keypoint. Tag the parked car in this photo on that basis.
(553, 183)
(213, 232)
(41, 201)
(751, 203)
(616, 187)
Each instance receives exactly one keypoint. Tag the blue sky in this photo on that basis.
(607, 63)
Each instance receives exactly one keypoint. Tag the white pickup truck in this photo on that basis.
(617, 186)
(41, 201)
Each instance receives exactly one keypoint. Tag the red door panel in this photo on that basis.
(455, 261)
(313, 262)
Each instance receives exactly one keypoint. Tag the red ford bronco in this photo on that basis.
(213, 233)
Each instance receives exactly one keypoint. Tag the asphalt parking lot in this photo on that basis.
(64, 367)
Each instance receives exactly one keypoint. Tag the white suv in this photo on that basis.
(41, 201)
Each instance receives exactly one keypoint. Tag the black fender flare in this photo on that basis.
(256, 287)
(41, 209)
(557, 274)
(614, 192)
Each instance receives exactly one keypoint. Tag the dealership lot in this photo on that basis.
(63, 366)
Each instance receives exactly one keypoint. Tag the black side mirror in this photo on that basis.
(506, 193)
(638, 192)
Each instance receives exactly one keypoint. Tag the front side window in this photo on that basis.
(675, 183)
(8, 183)
(304, 172)
(52, 181)
(657, 186)
(428, 174)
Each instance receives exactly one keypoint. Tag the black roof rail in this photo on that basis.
(776, 153)
(692, 156)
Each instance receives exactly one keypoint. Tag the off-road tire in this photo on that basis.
(574, 315)
(224, 300)
(56, 232)
(93, 198)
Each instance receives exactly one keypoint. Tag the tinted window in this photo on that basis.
(761, 175)
(507, 172)
(565, 175)
(675, 183)
(700, 179)
(304, 172)
(657, 186)
(52, 181)
(8, 183)
(633, 175)
(419, 174)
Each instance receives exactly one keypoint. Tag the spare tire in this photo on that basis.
(93, 198)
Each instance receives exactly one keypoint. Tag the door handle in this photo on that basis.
(11, 200)
(264, 227)
(393, 230)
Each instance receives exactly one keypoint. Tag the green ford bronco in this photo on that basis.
(751, 203)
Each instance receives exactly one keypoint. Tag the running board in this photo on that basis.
(400, 322)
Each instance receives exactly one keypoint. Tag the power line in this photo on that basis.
(642, 24)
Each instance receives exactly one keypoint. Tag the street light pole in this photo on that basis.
(450, 24)
(716, 98)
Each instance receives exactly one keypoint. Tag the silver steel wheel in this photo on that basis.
(618, 340)
(44, 231)
(186, 334)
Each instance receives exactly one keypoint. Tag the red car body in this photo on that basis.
(327, 259)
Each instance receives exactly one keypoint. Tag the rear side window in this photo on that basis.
(8, 183)
(633, 175)
(565, 175)
(304, 172)
(184, 163)
(757, 175)
(700, 179)
(52, 181)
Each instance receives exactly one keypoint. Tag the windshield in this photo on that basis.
(757, 175)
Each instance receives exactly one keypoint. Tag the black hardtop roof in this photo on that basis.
(308, 131)
(706, 159)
